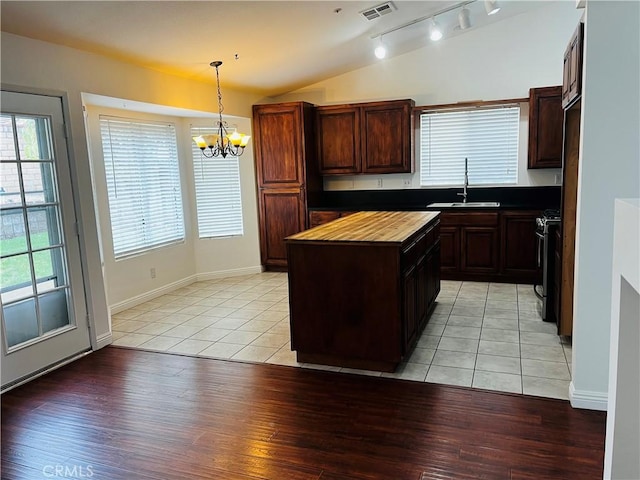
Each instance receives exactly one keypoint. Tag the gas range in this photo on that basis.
(549, 218)
(545, 225)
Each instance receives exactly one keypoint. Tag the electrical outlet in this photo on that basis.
(406, 182)
(379, 183)
(152, 272)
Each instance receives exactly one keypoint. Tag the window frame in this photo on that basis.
(197, 160)
(174, 170)
(515, 103)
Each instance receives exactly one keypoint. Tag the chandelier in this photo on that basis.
(221, 143)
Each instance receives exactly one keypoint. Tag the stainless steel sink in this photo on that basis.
(464, 205)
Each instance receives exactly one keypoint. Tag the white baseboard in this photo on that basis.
(170, 287)
(145, 297)
(103, 340)
(236, 272)
(586, 399)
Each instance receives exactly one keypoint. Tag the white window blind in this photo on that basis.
(143, 184)
(218, 199)
(488, 137)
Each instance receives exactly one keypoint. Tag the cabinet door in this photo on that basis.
(566, 76)
(282, 213)
(575, 69)
(410, 320)
(338, 137)
(572, 68)
(449, 249)
(519, 245)
(422, 291)
(278, 143)
(546, 119)
(557, 275)
(386, 137)
(433, 265)
(479, 249)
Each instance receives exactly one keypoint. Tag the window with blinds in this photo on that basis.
(143, 184)
(218, 199)
(487, 137)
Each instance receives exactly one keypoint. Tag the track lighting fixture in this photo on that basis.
(464, 19)
(491, 6)
(435, 31)
(380, 50)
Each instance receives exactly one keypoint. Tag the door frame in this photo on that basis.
(91, 298)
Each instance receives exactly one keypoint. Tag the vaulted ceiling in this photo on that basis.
(279, 45)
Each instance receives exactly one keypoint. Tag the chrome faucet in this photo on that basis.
(466, 182)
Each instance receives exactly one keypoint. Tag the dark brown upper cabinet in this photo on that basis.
(369, 138)
(572, 68)
(545, 127)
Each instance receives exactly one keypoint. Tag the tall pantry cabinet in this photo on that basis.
(287, 174)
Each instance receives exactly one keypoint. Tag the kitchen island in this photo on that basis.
(361, 288)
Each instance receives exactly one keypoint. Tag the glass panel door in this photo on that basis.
(36, 198)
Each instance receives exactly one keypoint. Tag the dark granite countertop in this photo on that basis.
(510, 198)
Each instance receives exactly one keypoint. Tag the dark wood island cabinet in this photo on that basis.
(361, 288)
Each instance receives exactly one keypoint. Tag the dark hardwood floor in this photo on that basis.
(127, 414)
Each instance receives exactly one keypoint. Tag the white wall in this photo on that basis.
(130, 277)
(128, 280)
(33, 64)
(609, 168)
(499, 61)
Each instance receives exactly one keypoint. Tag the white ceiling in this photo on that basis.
(281, 45)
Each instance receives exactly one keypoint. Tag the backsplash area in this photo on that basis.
(418, 199)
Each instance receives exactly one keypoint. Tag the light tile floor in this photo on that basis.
(481, 335)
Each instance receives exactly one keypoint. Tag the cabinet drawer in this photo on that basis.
(488, 219)
(433, 234)
(412, 251)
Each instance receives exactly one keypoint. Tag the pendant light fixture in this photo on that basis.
(221, 143)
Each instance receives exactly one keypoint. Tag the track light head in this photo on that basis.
(464, 19)
(435, 31)
(380, 51)
(491, 6)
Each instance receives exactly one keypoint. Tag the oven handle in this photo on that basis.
(539, 256)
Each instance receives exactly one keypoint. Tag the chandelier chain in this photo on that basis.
(220, 107)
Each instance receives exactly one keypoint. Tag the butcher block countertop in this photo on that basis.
(384, 227)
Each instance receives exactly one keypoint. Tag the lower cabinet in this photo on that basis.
(518, 247)
(489, 246)
(420, 283)
(479, 249)
(283, 213)
(449, 248)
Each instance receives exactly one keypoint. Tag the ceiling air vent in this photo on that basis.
(378, 11)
